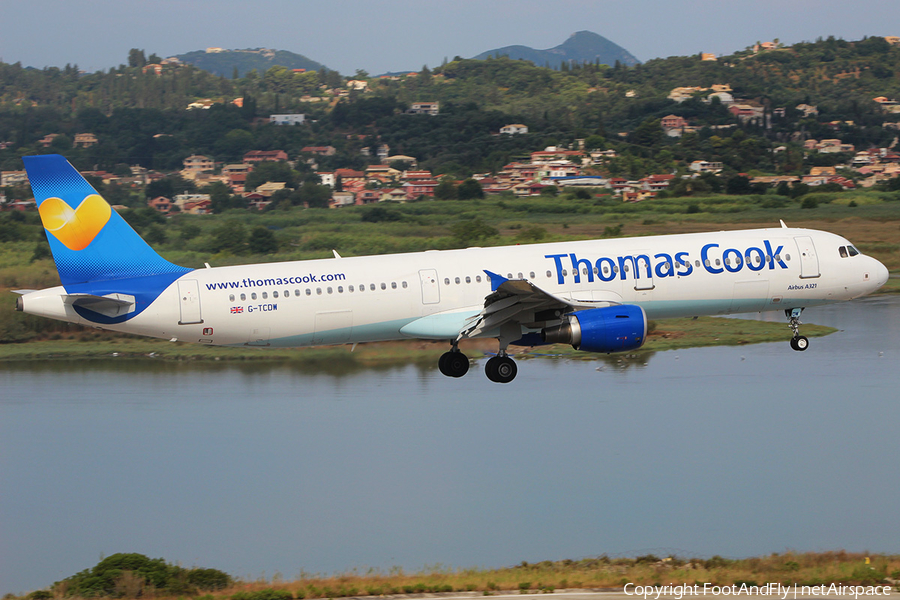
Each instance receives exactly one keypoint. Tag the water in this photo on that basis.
(261, 470)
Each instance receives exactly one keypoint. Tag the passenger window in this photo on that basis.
(520, 276)
(308, 292)
(565, 273)
(296, 292)
(384, 287)
(274, 294)
(697, 263)
(329, 290)
(478, 279)
(372, 287)
(717, 262)
(340, 289)
(287, 293)
(615, 268)
(362, 288)
(231, 298)
(531, 275)
(548, 273)
(243, 296)
(393, 285)
(265, 295)
(457, 281)
(787, 257)
(509, 275)
(253, 296)
(843, 251)
(350, 288)
(404, 285)
(318, 291)
(468, 280)
(446, 281)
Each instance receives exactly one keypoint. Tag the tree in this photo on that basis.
(271, 171)
(446, 189)
(136, 58)
(738, 185)
(471, 231)
(230, 237)
(262, 241)
(469, 189)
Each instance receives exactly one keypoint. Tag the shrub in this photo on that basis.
(208, 579)
(809, 202)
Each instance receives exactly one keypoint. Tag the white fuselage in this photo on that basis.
(432, 294)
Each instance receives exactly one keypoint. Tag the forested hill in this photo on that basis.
(229, 63)
(140, 115)
(581, 47)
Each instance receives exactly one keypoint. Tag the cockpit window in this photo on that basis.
(843, 251)
(853, 251)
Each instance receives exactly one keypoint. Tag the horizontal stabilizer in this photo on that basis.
(111, 305)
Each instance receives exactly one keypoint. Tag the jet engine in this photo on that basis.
(609, 329)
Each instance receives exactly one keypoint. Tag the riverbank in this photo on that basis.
(668, 334)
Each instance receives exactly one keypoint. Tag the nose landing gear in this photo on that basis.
(798, 342)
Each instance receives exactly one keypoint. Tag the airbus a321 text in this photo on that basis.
(596, 295)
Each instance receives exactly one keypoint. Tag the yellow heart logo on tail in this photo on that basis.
(75, 228)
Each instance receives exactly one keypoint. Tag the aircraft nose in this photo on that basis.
(877, 274)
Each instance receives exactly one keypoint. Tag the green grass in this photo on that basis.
(670, 334)
(603, 572)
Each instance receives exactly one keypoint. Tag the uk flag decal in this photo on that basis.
(237, 309)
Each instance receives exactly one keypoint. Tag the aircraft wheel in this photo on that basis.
(800, 343)
(453, 364)
(501, 369)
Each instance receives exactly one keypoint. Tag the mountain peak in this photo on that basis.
(580, 47)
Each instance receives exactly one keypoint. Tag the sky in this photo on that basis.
(391, 35)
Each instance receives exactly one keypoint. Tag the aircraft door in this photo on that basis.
(643, 271)
(259, 337)
(431, 291)
(189, 301)
(809, 262)
(333, 327)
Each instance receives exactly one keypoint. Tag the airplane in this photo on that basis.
(596, 295)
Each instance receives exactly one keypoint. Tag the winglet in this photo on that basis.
(496, 280)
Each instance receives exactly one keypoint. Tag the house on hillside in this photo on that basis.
(287, 119)
(424, 108)
(257, 156)
(514, 128)
(85, 140)
(161, 204)
(197, 163)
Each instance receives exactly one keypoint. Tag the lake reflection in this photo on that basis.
(261, 469)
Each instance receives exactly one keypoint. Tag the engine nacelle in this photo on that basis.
(610, 329)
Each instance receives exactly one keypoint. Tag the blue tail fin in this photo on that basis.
(90, 241)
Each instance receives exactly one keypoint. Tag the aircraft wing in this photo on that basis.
(521, 302)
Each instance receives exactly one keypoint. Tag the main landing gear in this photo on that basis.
(798, 342)
(501, 368)
(453, 363)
